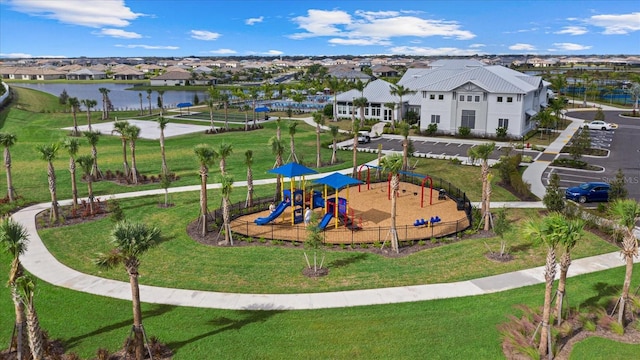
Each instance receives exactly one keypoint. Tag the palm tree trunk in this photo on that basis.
(318, 159)
(36, 341)
(11, 193)
(75, 124)
(334, 152)
(294, 157)
(203, 200)
(395, 184)
(95, 171)
(21, 333)
(355, 155)
(625, 288)
(565, 262)
(487, 198)
(225, 220)
(74, 183)
(249, 187)
(134, 170)
(52, 189)
(137, 314)
(549, 275)
(125, 164)
(90, 190)
(405, 154)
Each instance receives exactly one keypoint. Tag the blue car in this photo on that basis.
(591, 191)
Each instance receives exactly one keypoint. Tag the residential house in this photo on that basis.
(377, 93)
(86, 74)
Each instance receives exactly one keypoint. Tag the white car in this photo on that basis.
(599, 125)
(363, 137)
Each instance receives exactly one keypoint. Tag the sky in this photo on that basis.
(224, 28)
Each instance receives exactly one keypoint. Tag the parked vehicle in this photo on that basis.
(363, 137)
(587, 192)
(599, 125)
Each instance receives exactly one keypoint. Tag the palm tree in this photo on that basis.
(292, 132)
(105, 102)
(277, 149)
(27, 286)
(72, 145)
(626, 212)
(132, 133)
(224, 99)
(267, 88)
(361, 103)
(130, 241)
(392, 164)
(404, 131)
(278, 129)
(149, 91)
(75, 107)
(400, 91)
(162, 124)
(92, 138)
(120, 128)
(88, 104)
(13, 241)
(334, 130)
(355, 128)
(226, 185)
(206, 156)
(214, 94)
(254, 96)
(319, 120)
(7, 140)
(545, 120)
(224, 151)
(548, 232)
(86, 164)
(587, 79)
(482, 152)
(48, 153)
(392, 107)
(161, 96)
(335, 85)
(248, 161)
(571, 232)
(141, 108)
(239, 93)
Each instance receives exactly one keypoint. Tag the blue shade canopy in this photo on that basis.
(184, 104)
(337, 180)
(262, 109)
(292, 170)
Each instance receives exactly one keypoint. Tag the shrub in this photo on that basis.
(501, 132)
(328, 111)
(115, 211)
(411, 117)
(431, 129)
(455, 161)
(464, 132)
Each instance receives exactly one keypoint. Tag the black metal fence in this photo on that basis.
(343, 235)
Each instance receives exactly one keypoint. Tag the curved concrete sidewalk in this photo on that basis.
(42, 264)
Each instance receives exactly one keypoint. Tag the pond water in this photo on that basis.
(121, 98)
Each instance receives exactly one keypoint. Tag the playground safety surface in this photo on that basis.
(371, 211)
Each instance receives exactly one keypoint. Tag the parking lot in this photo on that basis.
(432, 148)
(623, 144)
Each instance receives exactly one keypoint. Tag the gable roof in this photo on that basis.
(377, 91)
(174, 75)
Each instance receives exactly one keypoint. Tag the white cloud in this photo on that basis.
(223, 51)
(359, 42)
(374, 27)
(475, 46)
(573, 30)
(91, 13)
(119, 33)
(274, 52)
(204, 35)
(522, 47)
(616, 24)
(427, 51)
(321, 23)
(148, 47)
(16, 55)
(571, 46)
(251, 21)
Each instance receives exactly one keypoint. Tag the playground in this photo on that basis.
(363, 211)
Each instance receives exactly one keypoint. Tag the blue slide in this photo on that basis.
(325, 221)
(274, 215)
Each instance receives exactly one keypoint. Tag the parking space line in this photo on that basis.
(459, 145)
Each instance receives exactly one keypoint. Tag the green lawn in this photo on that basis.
(455, 328)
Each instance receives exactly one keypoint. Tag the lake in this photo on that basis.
(121, 98)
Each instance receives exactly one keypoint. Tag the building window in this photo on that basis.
(461, 97)
(477, 98)
(440, 97)
(424, 94)
(435, 119)
(503, 123)
(468, 119)
(432, 96)
(469, 98)
(499, 98)
(509, 99)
